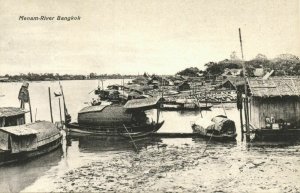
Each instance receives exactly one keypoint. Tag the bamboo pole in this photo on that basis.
(59, 110)
(30, 109)
(245, 87)
(35, 114)
(65, 108)
(241, 120)
(50, 104)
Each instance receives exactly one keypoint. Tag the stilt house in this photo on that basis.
(275, 103)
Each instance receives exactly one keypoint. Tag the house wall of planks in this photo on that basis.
(285, 108)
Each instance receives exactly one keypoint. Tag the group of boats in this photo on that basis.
(114, 115)
(108, 115)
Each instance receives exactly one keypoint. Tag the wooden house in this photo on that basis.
(228, 85)
(184, 86)
(275, 103)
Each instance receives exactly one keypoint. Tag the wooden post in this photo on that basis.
(65, 108)
(30, 109)
(60, 110)
(157, 113)
(35, 114)
(50, 104)
(246, 93)
(241, 120)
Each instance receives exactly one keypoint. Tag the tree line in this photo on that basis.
(57, 76)
(283, 65)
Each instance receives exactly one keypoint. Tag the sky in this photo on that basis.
(136, 36)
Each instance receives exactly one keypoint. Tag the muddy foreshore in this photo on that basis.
(185, 169)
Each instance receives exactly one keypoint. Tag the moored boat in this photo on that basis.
(142, 134)
(112, 119)
(20, 141)
(222, 129)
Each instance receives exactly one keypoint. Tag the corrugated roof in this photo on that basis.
(19, 130)
(11, 111)
(275, 87)
(141, 103)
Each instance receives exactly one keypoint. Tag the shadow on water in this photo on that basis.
(15, 177)
(109, 143)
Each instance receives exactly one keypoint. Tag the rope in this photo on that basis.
(135, 147)
(208, 142)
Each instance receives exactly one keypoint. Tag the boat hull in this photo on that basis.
(75, 128)
(6, 157)
(274, 135)
(156, 127)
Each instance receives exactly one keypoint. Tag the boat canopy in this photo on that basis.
(27, 137)
(96, 108)
(11, 111)
(19, 130)
(140, 104)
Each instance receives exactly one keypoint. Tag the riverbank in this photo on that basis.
(186, 169)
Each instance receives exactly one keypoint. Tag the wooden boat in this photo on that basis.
(223, 129)
(180, 105)
(184, 107)
(206, 106)
(112, 130)
(110, 119)
(20, 141)
(57, 94)
(276, 135)
(171, 107)
(141, 134)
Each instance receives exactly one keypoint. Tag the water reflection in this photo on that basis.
(109, 143)
(14, 178)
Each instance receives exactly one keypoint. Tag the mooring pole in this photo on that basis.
(246, 94)
(59, 110)
(241, 120)
(30, 108)
(65, 107)
(50, 104)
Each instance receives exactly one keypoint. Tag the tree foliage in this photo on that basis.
(191, 72)
(283, 65)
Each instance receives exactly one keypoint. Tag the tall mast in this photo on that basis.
(245, 87)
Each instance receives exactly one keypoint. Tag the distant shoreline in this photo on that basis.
(54, 80)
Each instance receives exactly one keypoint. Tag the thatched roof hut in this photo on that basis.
(275, 100)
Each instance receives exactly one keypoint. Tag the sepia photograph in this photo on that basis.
(150, 96)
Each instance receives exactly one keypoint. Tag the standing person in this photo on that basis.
(24, 95)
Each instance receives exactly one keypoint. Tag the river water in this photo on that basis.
(229, 167)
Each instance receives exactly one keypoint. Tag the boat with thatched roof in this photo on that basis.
(113, 119)
(21, 141)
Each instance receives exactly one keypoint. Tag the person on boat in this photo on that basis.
(95, 102)
(24, 95)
